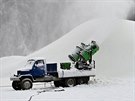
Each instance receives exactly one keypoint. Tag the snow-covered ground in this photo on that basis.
(103, 89)
(114, 63)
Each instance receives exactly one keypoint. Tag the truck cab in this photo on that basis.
(35, 70)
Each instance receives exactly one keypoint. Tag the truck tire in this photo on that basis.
(86, 80)
(82, 80)
(70, 82)
(26, 84)
(57, 83)
(16, 85)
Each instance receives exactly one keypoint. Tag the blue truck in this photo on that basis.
(64, 74)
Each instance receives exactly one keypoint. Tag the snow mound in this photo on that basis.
(97, 29)
(115, 57)
(115, 37)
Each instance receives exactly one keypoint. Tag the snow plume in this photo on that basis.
(101, 8)
(28, 25)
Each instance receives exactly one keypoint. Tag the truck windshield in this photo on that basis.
(29, 64)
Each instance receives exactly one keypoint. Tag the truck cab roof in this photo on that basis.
(36, 58)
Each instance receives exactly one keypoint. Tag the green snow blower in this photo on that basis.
(84, 52)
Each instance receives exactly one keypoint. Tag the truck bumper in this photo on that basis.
(15, 78)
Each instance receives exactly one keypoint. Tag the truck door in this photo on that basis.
(38, 69)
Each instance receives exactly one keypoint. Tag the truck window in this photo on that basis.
(39, 63)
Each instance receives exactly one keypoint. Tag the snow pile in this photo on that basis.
(97, 29)
(115, 56)
(115, 38)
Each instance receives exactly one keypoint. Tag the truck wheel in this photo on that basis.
(83, 80)
(59, 83)
(16, 85)
(56, 83)
(26, 84)
(70, 82)
(86, 80)
(80, 81)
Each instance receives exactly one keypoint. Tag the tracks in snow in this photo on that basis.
(50, 89)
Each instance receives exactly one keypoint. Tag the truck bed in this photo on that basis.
(76, 73)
